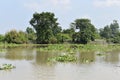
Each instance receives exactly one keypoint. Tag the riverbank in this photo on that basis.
(67, 47)
(80, 47)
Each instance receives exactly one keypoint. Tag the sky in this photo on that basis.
(16, 14)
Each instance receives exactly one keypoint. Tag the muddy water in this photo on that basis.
(33, 65)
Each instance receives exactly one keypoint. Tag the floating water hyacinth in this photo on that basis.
(6, 66)
(63, 58)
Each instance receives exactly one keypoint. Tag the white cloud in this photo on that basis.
(60, 2)
(55, 4)
(106, 3)
(33, 5)
(86, 16)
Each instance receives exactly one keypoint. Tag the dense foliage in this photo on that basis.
(46, 27)
(16, 37)
(46, 30)
(1, 38)
(111, 32)
(30, 35)
(86, 31)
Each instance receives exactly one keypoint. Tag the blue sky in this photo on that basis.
(16, 14)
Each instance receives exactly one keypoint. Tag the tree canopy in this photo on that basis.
(111, 32)
(46, 26)
(86, 31)
(46, 30)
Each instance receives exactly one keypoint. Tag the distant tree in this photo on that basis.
(106, 32)
(1, 38)
(111, 32)
(115, 39)
(31, 35)
(97, 34)
(114, 28)
(86, 32)
(69, 31)
(46, 26)
(22, 37)
(62, 37)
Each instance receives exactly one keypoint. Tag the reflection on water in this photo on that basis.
(87, 56)
(20, 54)
(33, 65)
(112, 57)
(42, 57)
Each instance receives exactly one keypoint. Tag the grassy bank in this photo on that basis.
(71, 48)
(79, 47)
(6, 45)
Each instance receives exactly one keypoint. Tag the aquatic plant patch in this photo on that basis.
(63, 58)
(6, 66)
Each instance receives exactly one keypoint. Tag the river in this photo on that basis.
(33, 65)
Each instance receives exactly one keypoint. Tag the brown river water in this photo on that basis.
(33, 65)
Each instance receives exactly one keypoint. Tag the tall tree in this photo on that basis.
(106, 32)
(114, 28)
(46, 26)
(86, 30)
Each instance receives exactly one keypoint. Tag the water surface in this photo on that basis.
(33, 65)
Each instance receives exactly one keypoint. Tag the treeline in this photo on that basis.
(46, 30)
(19, 37)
